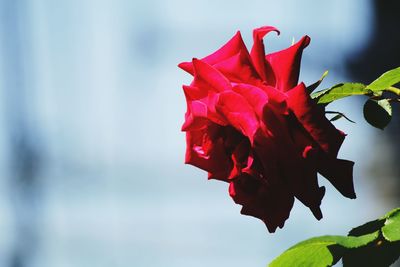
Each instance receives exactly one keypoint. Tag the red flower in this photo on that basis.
(250, 123)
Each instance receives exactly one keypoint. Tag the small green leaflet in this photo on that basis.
(314, 86)
(338, 115)
(386, 80)
(376, 243)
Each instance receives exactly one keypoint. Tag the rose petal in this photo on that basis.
(276, 98)
(195, 117)
(255, 96)
(270, 203)
(258, 54)
(239, 69)
(231, 48)
(312, 118)
(238, 113)
(206, 152)
(200, 108)
(194, 93)
(286, 64)
(240, 158)
(299, 173)
(206, 75)
(340, 173)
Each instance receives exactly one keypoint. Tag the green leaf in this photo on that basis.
(385, 250)
(321, 251)
(386, 80)
(340, 91)
(378, 113)
(377, 254)
(344, 241)
(391, 229)
(390, 214)
(313, 254)
(374, 244)
(389, 224)
(368, 227)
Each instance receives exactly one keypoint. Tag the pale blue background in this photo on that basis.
(94, 87)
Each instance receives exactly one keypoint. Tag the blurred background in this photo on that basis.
(91, 153)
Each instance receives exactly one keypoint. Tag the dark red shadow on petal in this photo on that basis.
(340, 173)
(312, 118)
(270, 203)
(205, 149)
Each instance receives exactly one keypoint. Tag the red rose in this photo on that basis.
(250, 123)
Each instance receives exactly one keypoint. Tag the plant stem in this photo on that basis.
(394, 90)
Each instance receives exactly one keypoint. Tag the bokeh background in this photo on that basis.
(91, 153)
